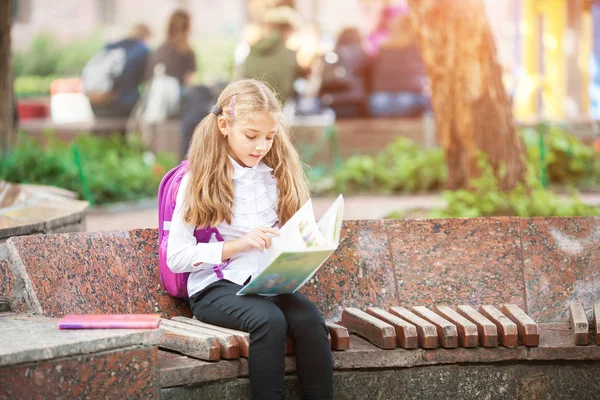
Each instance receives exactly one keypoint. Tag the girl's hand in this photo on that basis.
(258, 238)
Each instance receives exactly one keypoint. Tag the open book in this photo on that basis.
(303, 245)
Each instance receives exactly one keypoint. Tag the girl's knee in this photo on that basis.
(308, 320)
(271, 320)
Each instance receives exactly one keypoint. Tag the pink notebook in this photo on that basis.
(109, 321)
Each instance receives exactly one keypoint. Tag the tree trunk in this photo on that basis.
(6, 88)
(472, 110)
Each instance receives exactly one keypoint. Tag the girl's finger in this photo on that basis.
(272, 231)
(259, 244)
(263, 236)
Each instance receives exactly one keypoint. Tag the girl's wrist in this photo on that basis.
(230, 249)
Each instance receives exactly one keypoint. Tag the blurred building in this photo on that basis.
(548, 50)
(69, 20)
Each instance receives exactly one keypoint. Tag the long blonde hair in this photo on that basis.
(209, 197)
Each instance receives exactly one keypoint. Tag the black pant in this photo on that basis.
(269, 319)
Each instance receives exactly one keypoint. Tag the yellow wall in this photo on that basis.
(552, 83)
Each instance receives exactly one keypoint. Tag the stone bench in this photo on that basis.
(542, 265)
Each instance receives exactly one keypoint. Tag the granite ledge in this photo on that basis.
(556, 344)
(41, 216)
(28, 338)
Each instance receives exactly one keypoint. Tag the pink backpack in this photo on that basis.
(176, 283)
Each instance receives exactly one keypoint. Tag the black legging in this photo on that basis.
(268, 319)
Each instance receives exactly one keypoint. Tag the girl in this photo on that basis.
(245, 178)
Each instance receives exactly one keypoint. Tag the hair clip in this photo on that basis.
(216, 109)
(232, 105)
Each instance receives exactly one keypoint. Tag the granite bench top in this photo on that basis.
(32, 209)
(556, 344)
(27, 338)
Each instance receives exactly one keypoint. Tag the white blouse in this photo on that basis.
(255, 205)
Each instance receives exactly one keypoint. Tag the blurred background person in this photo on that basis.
(111, 79)
(398, 82)
(269, 59)
(171, 70)
(176, 53)
(345, 71)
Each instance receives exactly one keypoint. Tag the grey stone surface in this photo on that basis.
(42, 210)
(32, 338)
(465, 382)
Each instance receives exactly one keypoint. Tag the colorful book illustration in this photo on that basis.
(109, 321)
(303, 245)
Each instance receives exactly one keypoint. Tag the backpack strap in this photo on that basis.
(218, 269)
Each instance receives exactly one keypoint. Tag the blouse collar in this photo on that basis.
(239, 171)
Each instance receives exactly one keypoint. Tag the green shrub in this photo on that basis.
(405, 166)
(33, 86)
(47, 57)
(529, 199)
(113, 169)
(568, 159)
(402, 167)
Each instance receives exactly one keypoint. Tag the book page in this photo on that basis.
(330, 223)
(298, 252)
(288, 272)
(299, 233)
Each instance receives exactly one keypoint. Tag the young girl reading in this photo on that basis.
(245, 178)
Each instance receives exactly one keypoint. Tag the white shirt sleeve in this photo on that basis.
(184, 253)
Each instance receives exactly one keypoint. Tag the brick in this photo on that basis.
(508, 334)
(243, 338)
(406, 333)
(467, 331)
(427, 332)
(191, 344)
(597, 322)
(488, 334)
(340, 338)
(230, 350)
(579, 324)
(527, 327)
(446, 330)
(376, 331)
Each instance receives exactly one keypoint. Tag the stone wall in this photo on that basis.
(540, 264)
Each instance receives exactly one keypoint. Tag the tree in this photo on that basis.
(6, 88)
(471, 106)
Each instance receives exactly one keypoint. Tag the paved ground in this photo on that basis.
(359, 207)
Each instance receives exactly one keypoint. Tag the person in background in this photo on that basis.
(270, 60)
(398, 82)
(343, 86)
(129, 57)
(175, 53)
(175, 58)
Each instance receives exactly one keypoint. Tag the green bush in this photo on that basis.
(405, 166)
(33, 86)
(568, 159)
(109, 169)
(529, 199)
(47, 57)
(402, 167)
